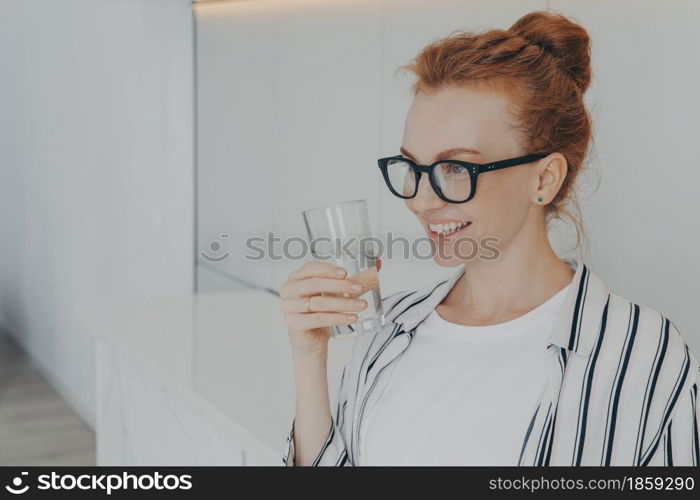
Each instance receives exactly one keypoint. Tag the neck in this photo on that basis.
(526, 274)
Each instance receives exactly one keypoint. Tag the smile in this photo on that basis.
(448, 228)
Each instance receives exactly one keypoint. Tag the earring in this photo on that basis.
(539, 199)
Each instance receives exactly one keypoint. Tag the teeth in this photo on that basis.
(447, 228)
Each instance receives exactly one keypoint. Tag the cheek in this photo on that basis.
(500, 204)
(409, 205)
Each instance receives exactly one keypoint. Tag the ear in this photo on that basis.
(552, 172)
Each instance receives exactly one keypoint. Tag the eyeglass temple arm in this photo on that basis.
(487, 167)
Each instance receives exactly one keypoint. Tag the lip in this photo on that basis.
(437, 236)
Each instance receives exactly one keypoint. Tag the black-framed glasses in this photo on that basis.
(454, 181)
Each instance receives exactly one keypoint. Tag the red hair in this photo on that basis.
(543, 62)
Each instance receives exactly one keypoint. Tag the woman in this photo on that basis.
(522, 359)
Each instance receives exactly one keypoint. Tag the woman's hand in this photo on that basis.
(309, 330)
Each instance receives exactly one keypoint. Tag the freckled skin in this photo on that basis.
(505, 209)
(482, 119)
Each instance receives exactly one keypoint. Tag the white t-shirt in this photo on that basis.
(451, 399)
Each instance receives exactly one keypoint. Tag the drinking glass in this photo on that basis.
(340, 234)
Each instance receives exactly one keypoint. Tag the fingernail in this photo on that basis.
(355, 287)
(340, 272)
(359, 303)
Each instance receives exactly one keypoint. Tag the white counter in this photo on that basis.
(204, 379)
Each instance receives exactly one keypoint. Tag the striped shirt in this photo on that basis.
(622, 384)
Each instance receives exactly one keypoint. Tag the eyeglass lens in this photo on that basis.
(453, 179)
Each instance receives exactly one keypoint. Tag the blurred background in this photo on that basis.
(143, 141)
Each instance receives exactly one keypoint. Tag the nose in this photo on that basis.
(425, 198)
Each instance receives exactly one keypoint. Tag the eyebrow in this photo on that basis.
(444, 155)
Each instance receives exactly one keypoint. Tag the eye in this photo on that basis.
(455, 169)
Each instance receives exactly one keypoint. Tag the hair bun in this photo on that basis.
(560, 37)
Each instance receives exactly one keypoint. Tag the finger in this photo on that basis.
(316, 286)
(315, 268)
(367, 278)
(301, 322)
(323, 303)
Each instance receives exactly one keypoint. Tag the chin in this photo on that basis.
(449, 262)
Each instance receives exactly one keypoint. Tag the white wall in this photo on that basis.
(296, 100)
(643, 219)
(96, 147)
(96, 178)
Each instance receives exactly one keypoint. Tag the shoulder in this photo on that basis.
(644, 329)
(649, 342)
(651, 328)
